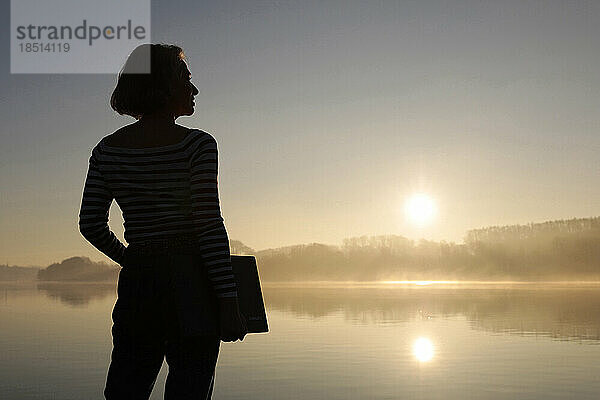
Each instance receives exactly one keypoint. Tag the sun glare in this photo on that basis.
(423, 349)
(420, 209)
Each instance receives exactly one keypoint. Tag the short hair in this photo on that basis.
(137, 94)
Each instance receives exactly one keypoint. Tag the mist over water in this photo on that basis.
(550, 251)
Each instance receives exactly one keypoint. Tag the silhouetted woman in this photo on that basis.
(177, 295)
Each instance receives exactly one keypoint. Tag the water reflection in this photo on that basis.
(77, 294)
(566, 312)
(423, 349)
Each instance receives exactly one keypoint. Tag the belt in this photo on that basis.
(164, 245)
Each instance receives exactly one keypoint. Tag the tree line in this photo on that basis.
(553, 250)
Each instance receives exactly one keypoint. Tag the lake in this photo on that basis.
(332, 341)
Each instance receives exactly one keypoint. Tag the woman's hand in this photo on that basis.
(233, 324)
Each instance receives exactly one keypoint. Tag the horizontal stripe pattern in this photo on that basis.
(163, 191)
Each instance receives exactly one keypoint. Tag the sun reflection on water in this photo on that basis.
(423, 349)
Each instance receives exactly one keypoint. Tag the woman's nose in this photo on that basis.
(195, 90)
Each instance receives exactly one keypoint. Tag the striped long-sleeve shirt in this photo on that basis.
(162, 191)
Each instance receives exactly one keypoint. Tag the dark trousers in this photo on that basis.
(164, 308)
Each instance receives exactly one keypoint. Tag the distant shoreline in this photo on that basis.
(416, 283)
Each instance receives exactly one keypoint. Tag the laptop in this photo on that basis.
(250, 297)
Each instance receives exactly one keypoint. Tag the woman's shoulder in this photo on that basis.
(128, 138)
(117, 137)
(195, 133)
(202, 137)
(199, 132)
(132, 137)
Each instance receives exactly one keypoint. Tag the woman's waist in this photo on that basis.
(164, 244)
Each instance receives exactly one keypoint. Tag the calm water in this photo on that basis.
(332, 342)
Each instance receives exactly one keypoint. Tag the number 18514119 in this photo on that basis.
(30, 47)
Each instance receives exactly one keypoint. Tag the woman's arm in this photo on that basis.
(93, 215)
(208, 223)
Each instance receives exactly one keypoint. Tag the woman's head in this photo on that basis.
(164, 87)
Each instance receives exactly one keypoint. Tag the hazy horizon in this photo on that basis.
(238, 247)
(330, 115)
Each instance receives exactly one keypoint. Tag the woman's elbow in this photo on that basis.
(86, 231)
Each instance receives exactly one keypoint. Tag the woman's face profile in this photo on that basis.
(183, 96)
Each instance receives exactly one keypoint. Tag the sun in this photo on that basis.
(420, 208)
